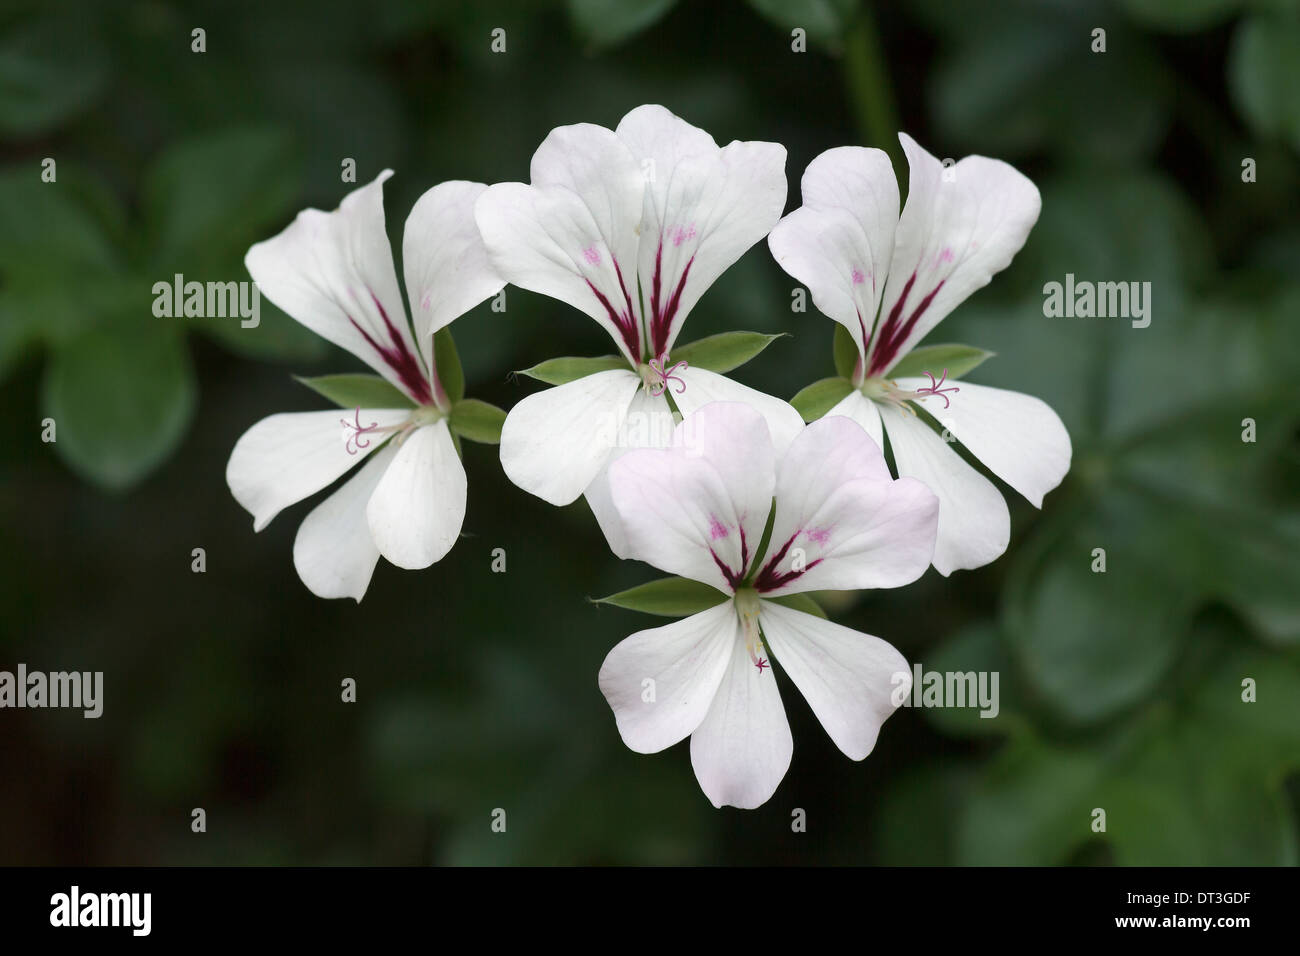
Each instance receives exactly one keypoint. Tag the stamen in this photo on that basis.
(886, 390)
(753, 641)
(404, 431)
(354, 441)
(659, 387)
(934, 389)
(354, 431)
(747, 607)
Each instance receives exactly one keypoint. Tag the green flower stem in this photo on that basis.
(869, 89)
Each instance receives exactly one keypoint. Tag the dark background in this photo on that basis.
(476, 690)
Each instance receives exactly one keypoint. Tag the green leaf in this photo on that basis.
(477, 421)
(249, 179)
(604, 23)
(800, 602)
(17, 335)
(558, 371)
(1195, 753)
(276, 337)
(918, 816)
(824, 20)
(121, 397)
(668, 597)
(1237, 541)
(957, 359)
(527, 717)
(1096, 642)
(723, 352)
(1118, 225)
(49, 231)
(1264, 74)
(820, 397)
(1125, 225)
(447, 360)
(977, 648)
(1001, 85)
(1219, 343)
(1180, 16)
(358, 391)
(1187, 513)
(845, 353)
(50, 70)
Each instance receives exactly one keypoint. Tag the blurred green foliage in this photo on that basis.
(477, 690)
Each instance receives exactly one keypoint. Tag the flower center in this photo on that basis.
(656, 378)
(747, 612)
(356, 436)
(426, 415)
(886, 390)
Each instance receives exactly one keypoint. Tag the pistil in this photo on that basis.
(656, 377)
(355, 433)
(747, 606)
(887, 390)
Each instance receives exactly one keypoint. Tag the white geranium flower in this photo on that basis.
(630, 226)
(889, 281)
(333, 272)
(698, 509)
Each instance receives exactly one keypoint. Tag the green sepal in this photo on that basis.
(447, 361)
(667, 597)
(800, 602)
(845, 352)
(957, 359)
(476, 420)
(559, 371)
(358, 391)
(723, 352)
(820, 397)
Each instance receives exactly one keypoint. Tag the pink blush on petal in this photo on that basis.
(820, 535)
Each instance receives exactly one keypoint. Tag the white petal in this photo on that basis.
(742, 749)
(333, 551)
(840, 242)
(849, 679)
(649, 424)
(333, 272)
(698, 508)
(703, 387)
(654, 132)
(417, 510)
(555, 442)
(572, 235)
(960, 227)
(841, 521)
(683, 663)
(704, 207)
(1018, 437)
(594, 164)
(446, 263)
(974, 524)
(862, 410)
(284, 458)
